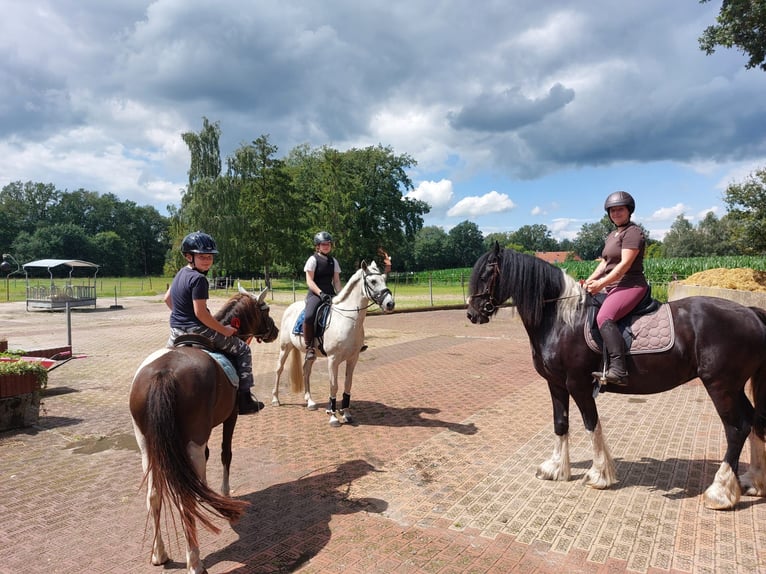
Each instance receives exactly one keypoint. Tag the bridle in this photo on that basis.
(490, 305)
(375, 298)
(247, 337)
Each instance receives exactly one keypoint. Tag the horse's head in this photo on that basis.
(482, 303)
(249, 314)
(375, 287)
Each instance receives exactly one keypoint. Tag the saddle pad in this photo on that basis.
(323, 312)
(226, 365)
(652, 333)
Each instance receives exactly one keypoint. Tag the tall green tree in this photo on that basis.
(466, 244)
(589, 242)
(268, 205)
(431, 249)
(682, 239)
(534, 238)
(740, 24)
(746, 203)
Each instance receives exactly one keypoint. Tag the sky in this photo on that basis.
(517, 112)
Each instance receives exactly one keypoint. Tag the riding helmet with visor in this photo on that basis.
(322, 237)
(199, 242)
(619, 198)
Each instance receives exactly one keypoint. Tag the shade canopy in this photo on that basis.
(51, 263)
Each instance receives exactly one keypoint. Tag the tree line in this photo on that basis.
(263, 211)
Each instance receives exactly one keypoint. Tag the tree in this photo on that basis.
(681, 240)
(431, 248)
(268, 205)
(357, 196)
(534, 238)
(466, 244)
(504, 238)
(740, 23)
(589, 242)
(747, 213)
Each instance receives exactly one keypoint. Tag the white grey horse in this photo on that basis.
(343, 339)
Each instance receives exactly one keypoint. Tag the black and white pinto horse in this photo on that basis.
(718, 341)
(343, 339)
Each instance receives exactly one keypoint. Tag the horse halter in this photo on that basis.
(247, 337)
(381, 295)
(490, 305)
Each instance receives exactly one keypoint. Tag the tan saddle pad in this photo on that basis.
(652, 333)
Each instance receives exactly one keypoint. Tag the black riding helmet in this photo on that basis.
(198, 242)
(322, 237)
(617, 199)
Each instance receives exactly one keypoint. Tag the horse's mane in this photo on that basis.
(245, 307)
(533, 284)
(354, 279)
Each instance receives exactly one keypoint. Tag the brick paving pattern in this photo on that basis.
(436, 475)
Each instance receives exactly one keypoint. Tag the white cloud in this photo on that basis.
(437, 194)
(473, 206)
(668, 213)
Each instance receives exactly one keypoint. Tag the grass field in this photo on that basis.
(411, 290)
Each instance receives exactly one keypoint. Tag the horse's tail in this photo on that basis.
(296, 371)
(172, 472)
(758, 381)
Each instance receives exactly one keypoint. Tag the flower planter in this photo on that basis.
(19, 400)
(11, 385)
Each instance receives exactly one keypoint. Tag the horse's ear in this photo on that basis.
(364, 265)
(262, 295)
(497, 248)
(242, 289)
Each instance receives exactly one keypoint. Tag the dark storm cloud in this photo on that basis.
(525, 87)
(509, 110)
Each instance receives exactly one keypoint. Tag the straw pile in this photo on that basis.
(741, 279)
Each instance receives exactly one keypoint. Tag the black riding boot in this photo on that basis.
(308, 338)
(246, 403)
(614, 348)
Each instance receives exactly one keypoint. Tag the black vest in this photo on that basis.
(324, 273)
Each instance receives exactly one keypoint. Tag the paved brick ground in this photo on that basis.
(436, 475)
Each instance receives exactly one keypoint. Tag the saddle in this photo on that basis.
(203, 343)
(321, 321)
(648, 328)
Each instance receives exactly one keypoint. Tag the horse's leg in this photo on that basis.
(227, 434)
(557, 467)
(310, 404)
(602, 473)
(193, 563)
(283, 353)
(332, 367)
(345, 406)
(736, 413)
(754, 480)
(153, 506)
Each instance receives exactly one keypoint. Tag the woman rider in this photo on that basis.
(621, 274)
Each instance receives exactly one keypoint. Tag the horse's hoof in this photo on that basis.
(275, 403)
(346, 417)
(334, 422)
(312, 406)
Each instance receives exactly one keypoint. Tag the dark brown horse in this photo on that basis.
(177, 397)
(719, 341)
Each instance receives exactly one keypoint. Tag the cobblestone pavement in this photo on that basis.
(435, 476)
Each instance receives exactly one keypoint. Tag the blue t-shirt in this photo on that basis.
(188, 285)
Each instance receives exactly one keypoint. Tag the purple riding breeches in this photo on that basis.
(619, 302)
